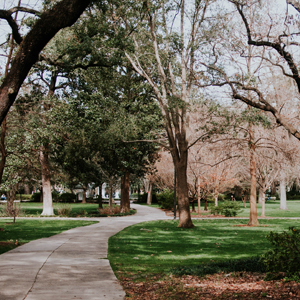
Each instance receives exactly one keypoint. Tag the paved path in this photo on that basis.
(70, 265)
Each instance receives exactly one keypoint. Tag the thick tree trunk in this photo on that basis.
(263, 206)
(149, 196)
(125, 201)
(47, 196)
(283, 204)
(253, 221)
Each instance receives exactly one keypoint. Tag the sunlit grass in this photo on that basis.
(155, 247)
(26, 230)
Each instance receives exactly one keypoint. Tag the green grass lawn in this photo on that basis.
(155, 247)
(24, 231)
(77, 209)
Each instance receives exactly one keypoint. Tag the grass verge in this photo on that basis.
(143, 250)
(34, 209)
(24, 231)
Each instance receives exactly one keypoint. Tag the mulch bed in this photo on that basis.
(239, 285)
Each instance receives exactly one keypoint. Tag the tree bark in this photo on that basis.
(216, 194)
(46, 184)
(283, 204)
(100, 196)
(125, 201)
(261, 195)
(62, 15)
(199, 195)
(84, 195)
(253, 221)
(149, 196)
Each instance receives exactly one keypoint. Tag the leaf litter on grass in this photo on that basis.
(241, 285)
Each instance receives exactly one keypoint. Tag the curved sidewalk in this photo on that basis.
(70, 265)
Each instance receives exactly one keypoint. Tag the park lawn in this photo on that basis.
(26, 230)
(272, 209)
(78, 209)
(150, 248)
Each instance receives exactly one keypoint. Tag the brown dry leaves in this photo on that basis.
(219, 286)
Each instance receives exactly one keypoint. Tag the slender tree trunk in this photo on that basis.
(263, 206)
(100, 196)
(110, 193)
(283, 204)
(199, 196)
(253, 221)
(125, 201)
(84, 195)
(46, 184)
(216, 194)
(149, 196)
(261, 194)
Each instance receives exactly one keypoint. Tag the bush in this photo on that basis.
(215, 210)
(64, 210)
(143, 198)
(252, 264)
(285, 255)
(23, 196)
(166, 199)
(36, 197)
(231, 208)
(67, 197)
(228, 208)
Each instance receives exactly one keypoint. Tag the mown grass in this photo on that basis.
(77, 209)
(156, 247)
(24, 231)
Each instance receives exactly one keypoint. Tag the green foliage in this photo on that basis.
(166, 199)
(36, 197)
(252, 264)
(143, 198)
(67, 197)
(228, 208)
(23, 196)
(285, 255)
(215, 210)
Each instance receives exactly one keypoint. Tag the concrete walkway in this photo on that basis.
(70, 265)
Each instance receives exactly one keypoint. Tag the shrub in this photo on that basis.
(228, 208)
(285, 255)
(36, 197)
(166, 199)
(215, 210)
(67, 197)
(143, 198)
(252, 264)
(23, 196)
(109, 211)
(231, 208)
(64, 210)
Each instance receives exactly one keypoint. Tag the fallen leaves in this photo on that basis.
(239, 285)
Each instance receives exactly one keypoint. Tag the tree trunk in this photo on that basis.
(84, 196)
(125, 201)
(261, 195)
(253, 221)
(46, 184)
(199, 196)
(216, 194)
(110, 193)
(149, 196)
(100, 196)
(283, 204)
(263, 206)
